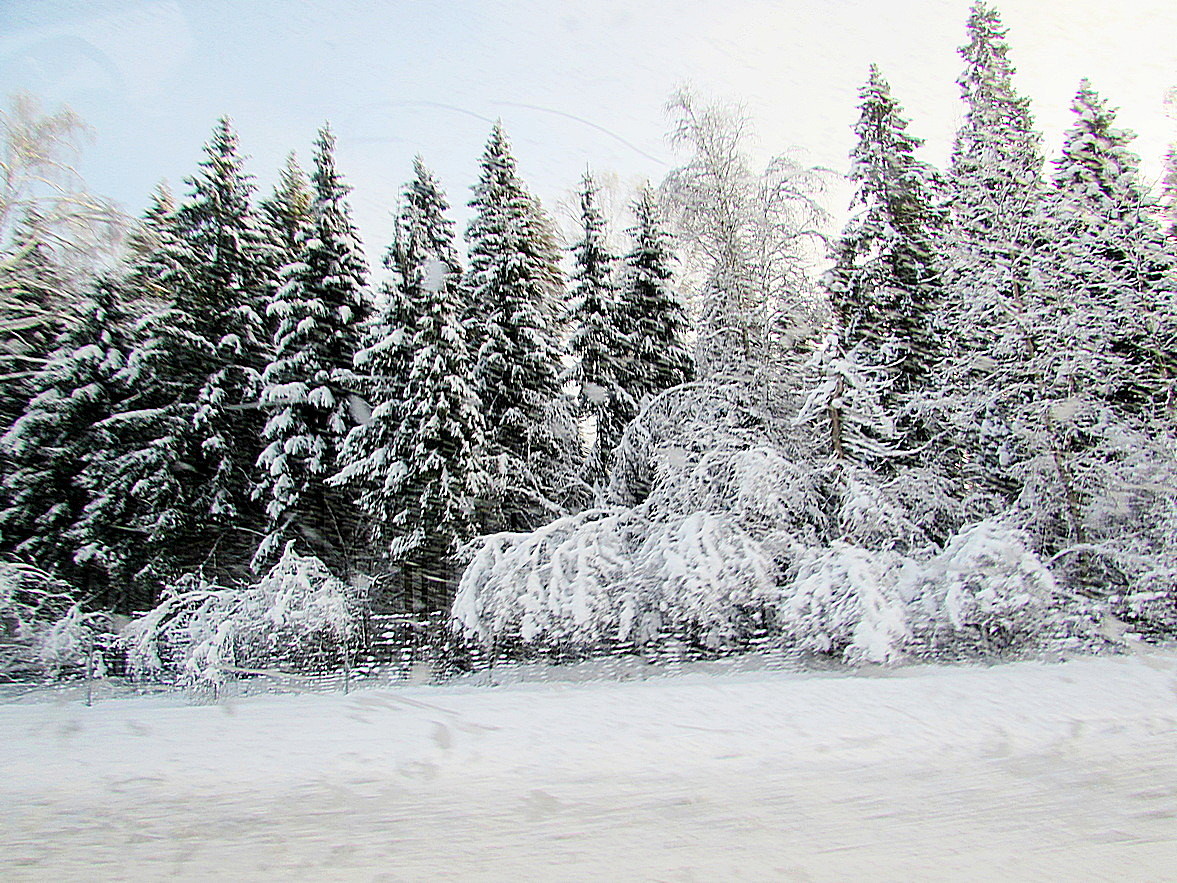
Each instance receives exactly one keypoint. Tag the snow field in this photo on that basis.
(1022, 771)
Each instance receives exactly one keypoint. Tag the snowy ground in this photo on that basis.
(1025, 771)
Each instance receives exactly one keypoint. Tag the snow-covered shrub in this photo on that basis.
(43, 631)
(611, 575)
(847, 601)
(298, 615)
(985, 592)
(702, 575)
(555, 584)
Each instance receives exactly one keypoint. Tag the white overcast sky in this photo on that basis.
(575, 83)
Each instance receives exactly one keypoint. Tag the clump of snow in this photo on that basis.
(298, 614)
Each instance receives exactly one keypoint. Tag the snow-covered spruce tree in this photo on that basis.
(137, 508)
(597, 342)
(231, 278)
(1103, 357)
(1107, 261)
(990, 304)
(866, 380)
(288, 212)
(369, 468)
(60, 432)
(651, 316)
(416, 463)
(886, 279)
(176, 485)
(1168, 194)
(995, 175)
(308, 387)
(514, 285)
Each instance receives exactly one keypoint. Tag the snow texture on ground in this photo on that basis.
(1022, 771)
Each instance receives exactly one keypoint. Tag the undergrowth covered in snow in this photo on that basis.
(732, 537)
(298, 614)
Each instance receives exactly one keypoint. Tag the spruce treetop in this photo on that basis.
(1095, 164)
(594, 262)
(885, 151)
(885, 276)
(997, 139)
(425, 227)
(652, 317)
(515, 278)
(508, 220)
(288, 210)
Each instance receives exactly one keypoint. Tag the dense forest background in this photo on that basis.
(948, 428)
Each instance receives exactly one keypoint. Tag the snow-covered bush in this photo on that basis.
(731, 520)
(702, 576)
(298, 615)
(985, 592)
(847, 601)
(611, 575)
(43, 630)
(556, 584)
(707, 516)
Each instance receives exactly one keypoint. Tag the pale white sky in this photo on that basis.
(575, 83)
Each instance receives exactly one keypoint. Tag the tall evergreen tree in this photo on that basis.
(232, 278)
(418, 459)
(996, 165)
(308, 388)
(153, 254)
(133, 526)
(652, 317)
(886, 280)
(1111, 271)
(60, 433)
(174, 490)
(1103, 361)
(995, 189)
(369, 469)
(515, 284)
(597, 342)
